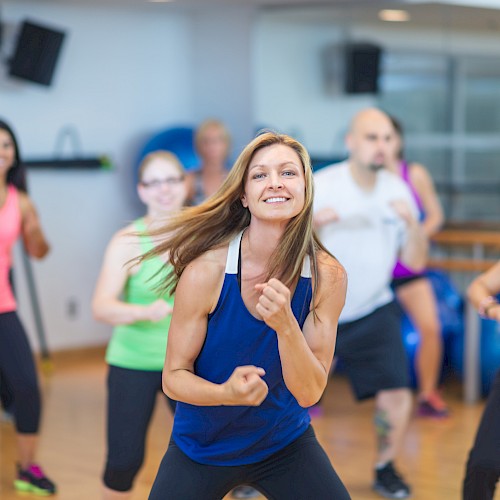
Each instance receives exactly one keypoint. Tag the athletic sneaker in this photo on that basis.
(433, 406)
(389, 483)
(244, 491)
(6, 416)
(33, 480)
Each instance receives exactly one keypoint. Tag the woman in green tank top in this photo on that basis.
(127, 297)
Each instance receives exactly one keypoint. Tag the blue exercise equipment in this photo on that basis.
(178, 140)
(489, 352)
(450, 309)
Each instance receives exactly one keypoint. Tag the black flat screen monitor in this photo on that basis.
(36, 53)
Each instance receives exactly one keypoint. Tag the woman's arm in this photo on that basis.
(306, 356)
(34, 240)
(415, 249)
(195, 297)
(115, 270)
(424, 186)
(481, 292)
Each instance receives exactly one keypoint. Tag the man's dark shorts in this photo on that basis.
(372, 352)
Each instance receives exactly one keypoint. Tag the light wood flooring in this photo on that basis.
(72, 437)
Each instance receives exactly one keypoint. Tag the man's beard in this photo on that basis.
(375, 167)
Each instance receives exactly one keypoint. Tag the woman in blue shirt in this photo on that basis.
(252, 335)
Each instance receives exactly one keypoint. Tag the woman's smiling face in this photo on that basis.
(7, 152)
(275, 184)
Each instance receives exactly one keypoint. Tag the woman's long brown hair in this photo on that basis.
(195, 230)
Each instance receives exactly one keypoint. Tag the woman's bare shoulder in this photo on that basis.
(202, 279)
(128, 233)
(127, 236)
(330, 269)
(419, 174)
(124, 244)
(25, 202)
(209, 266)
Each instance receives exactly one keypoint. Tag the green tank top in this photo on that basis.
(142, 345)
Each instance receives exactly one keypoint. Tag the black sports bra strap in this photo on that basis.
(238, 275)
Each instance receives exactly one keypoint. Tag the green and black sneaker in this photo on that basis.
(33, 480)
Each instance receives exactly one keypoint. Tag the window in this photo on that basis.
(450, 109)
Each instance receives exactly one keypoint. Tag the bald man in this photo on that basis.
(367, 218)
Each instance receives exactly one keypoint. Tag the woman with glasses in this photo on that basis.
(127, 297)
(257, 300)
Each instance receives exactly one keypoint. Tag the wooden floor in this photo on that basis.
(72, 438)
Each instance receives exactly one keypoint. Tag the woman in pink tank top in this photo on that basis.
(18, 377)
(414, 291)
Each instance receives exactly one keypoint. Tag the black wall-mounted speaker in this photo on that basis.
(361, 63)
(36, 53)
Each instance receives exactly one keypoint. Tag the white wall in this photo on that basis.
(123, 73)
(289, 92)
(126, 72)
(222, 46)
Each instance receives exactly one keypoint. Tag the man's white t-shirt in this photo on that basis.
(367, 237)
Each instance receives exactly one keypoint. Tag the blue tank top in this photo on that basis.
(239, 435)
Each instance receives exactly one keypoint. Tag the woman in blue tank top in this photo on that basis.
(252, 337)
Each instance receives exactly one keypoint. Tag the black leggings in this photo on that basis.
(300, 471)
(18, 373)
(131, 400)
(483, 467)
(6, 397)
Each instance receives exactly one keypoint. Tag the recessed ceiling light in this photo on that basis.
(393, 15)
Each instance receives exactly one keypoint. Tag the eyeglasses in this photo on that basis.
(156, 183)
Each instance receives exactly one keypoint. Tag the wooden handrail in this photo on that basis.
(461, 264)
(457, 237)
(466, 235)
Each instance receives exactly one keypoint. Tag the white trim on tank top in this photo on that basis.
(233, 254)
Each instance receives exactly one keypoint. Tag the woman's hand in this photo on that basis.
(157, 310)
(274, 304)
(324, 216)
(494, 312)
(402, 208)
(245, 387)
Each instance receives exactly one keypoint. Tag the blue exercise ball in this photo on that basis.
(178, 140)
(450, 307)
(489, 353)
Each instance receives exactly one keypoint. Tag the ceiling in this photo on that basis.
(471, 15)
(493, 4)
(199, 3)
(422, 15)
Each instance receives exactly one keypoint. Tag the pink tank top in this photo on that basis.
(10, 229)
